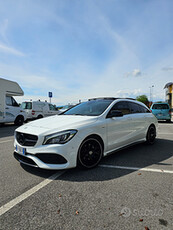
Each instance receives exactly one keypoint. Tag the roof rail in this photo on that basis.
(110, 98)
(130, 98)
(103, 98)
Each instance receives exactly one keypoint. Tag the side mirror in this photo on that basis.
(115, 113)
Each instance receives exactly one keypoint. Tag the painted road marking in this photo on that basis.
(136, 169)
(165, 133)
(28, 193)
(1, 142)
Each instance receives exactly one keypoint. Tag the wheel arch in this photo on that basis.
(98, 137)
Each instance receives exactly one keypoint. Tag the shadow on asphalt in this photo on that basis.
(37, 171)
(165, 122)
(139, 156)
(7, 130)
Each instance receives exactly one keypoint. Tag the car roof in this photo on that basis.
(110, 98)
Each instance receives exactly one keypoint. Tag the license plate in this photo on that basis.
(20, 150)
(160, 114)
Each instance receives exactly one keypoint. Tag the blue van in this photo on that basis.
(161, 111)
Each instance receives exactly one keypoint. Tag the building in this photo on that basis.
(169, 93)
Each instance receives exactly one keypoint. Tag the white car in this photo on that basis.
(84, 134)
(38, 109)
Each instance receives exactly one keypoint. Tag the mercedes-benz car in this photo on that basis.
(84, 134)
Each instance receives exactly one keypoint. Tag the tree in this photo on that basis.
(143, 99)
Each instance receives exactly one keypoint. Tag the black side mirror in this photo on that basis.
(115, 113)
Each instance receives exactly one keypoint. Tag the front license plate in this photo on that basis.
(20, 150)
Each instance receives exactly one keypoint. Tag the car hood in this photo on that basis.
(56, 123)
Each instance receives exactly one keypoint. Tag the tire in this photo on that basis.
(19, 120)
(169, 121)
(39, 117)
(90, 153)
(151, 135)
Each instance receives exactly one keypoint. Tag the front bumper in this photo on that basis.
(65, 156)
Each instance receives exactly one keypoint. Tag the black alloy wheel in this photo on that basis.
(151, 135)
(90, 153)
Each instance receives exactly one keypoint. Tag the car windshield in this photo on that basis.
(160, 106)
(26, 105)
(90, 108)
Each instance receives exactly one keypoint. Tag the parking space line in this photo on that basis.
(17, 200)
(1, 142)
(136, 169)
(165, 133)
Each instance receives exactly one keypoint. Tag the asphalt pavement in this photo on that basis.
(130, 189)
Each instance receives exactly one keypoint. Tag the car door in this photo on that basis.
(11, 109)
(138, 121)
(119, 129)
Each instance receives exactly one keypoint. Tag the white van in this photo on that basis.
(38, 109)
(9, 108)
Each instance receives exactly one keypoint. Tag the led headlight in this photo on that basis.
(59, 138)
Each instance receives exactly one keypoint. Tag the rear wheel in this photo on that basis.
(90, 153)
(39, 117)
(151, 135)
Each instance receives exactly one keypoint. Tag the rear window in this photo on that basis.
(26, 105)
(160, 106)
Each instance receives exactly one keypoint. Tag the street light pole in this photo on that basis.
(151, 95)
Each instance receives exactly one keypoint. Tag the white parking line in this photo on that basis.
(1, 142)
(17, 200)
(165, 133)
(136, 169)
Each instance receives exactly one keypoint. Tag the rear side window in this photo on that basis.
(122, 106)
(160, 106)
(136, 108)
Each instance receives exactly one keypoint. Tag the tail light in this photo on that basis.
(170, 111)
(33, 112)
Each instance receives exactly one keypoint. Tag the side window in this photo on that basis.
(122, 106)
(14, 103)
(51, 107)
(134, 108)
(8, 101)
(144, 110)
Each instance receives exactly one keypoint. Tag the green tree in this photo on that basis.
(143, 99)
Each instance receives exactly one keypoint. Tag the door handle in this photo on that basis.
(6, 108)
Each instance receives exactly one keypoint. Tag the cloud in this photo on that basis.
(134, 73)
(3, 29)
(10, 50)
(167, 69)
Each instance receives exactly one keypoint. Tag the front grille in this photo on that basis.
(23, 159)
(25, 139)
(50, 158)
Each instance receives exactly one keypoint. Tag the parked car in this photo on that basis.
(161, 111)
(65, 108)
(38, 109)
(84, 134)
(9, 108)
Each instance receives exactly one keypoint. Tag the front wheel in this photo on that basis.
(90, 153)
(151, 135)
(19, 120)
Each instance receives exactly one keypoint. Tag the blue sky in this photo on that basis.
(80, 49)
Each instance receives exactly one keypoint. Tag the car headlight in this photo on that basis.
(59, 138)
